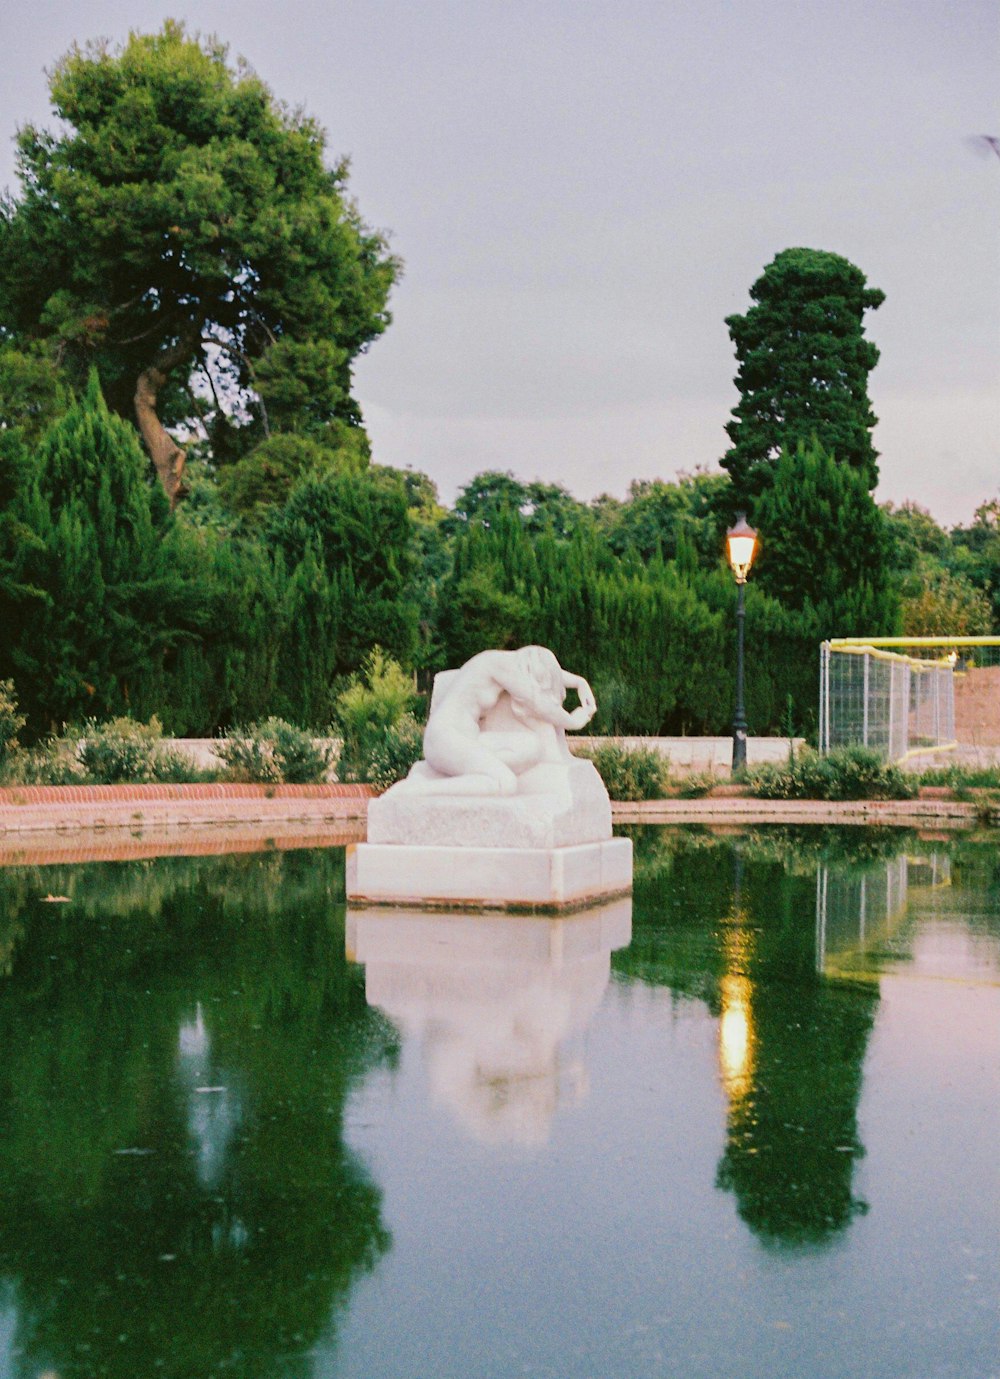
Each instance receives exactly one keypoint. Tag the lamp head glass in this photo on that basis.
(741, 544)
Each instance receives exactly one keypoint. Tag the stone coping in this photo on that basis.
(77, 822)
(953, 814)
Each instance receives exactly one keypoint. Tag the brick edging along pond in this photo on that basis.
(123, 794)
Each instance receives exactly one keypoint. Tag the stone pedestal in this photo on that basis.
(549, 847)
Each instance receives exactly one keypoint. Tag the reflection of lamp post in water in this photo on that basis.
(741, 545)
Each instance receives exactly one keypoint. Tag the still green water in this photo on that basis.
(747, 1126)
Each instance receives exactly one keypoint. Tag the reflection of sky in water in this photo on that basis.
(214, 1110)
(8, 1328)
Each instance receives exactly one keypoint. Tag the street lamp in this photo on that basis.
(741, 545)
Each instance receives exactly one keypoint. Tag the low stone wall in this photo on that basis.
(685, 754)
(688, 755)
(138, 808)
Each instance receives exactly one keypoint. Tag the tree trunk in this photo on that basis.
(166, 454)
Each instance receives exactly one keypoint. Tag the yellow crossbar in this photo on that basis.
(850, 647)
(844, 643)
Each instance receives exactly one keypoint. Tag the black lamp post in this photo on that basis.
(741, 545)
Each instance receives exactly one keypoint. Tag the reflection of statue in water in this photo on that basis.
(494, 1004)
(494, 719)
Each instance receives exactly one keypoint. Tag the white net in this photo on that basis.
(907, 698)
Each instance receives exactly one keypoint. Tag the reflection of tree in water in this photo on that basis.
(739, 933)
(180, 1040)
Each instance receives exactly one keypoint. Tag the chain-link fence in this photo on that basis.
(907, 697)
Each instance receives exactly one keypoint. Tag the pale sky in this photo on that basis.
(581, 192)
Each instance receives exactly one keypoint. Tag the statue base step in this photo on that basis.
(488, 878)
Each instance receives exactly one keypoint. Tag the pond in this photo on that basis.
(746, 1125)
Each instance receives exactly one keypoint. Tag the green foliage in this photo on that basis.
(274, 752)
(262, 480)
(108, 566)
(963, 779)
(803, 368)
(942, 589)
(938, 602)
(358, 527)
(50, 762)
(121, 752)
(631, 773)
(391, 754)
(538, 506)
(11, 721)
(375, 720)
(824, 542)
(975, 553)
(32, 393)
(848, 773)
(181, 205)
(688, 514)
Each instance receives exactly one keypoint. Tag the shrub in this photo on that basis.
(52, 762)
(273, 752)
(120, 751)
(375, 721)
(847, 773)
(391, 755)
(631, 773)
(11, 722)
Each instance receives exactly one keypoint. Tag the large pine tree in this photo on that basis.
(803, 368)
(182, 231)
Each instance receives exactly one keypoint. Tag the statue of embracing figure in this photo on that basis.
(495, 718)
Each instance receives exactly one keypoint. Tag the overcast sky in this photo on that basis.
(582, 191)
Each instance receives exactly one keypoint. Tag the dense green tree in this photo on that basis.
(913, 533)
(938, 602)
(359, 527)
(937, 595)
(182, 231)
(539, 505)
(32, 393)
(824, 541)
(975, 553)
(107, 558)
(261, 481)
(430, 558)
(664, 516)
(803, 368)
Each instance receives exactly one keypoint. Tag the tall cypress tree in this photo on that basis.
(803, 368)
(103, 561)
(825, 542)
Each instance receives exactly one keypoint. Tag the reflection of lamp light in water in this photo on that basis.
(735, 1036)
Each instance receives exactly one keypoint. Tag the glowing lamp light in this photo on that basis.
(741, 542)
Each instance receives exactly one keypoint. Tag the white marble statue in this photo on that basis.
(494, 719)
(499, 814)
